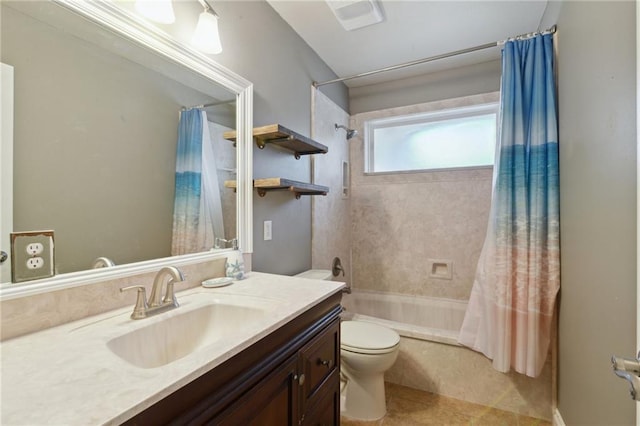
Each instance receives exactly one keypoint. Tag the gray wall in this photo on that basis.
(598, 208)
(263, 48)
(454, 83)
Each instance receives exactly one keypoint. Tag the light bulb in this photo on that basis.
(206, 37)
(157, 10)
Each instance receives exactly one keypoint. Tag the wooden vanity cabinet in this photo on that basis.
(289, 377)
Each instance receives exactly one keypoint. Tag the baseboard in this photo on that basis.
(557, 419)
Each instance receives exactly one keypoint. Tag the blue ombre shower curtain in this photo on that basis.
(511, 306)
(197, 211)
(186, 209)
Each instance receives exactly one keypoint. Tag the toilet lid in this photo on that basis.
(366, 336)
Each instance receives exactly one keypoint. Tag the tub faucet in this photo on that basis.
(156, 303)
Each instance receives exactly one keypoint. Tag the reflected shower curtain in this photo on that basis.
(211, 201)
(197, 212)
(518, 276)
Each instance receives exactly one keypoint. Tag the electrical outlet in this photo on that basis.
(35, 262)
(32, 255)
(34, 248)
(268, 230)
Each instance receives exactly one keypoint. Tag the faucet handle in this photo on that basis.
(170, 295)
(140, 309)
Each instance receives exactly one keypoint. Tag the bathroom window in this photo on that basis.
(446, 139)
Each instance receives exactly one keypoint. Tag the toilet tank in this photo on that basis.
(316, 274)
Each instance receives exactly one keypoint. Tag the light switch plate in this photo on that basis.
(32, 255)
(268, 230)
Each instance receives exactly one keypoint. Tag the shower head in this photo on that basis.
(350, 132)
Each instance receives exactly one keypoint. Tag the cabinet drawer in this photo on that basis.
(319, 358)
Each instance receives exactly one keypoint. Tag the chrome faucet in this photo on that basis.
(156, 304)
(220, 242)
(102, 262)
(169, 297)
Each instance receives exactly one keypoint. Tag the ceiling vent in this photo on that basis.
(354, 14)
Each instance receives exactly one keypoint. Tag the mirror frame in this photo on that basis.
(136, 29)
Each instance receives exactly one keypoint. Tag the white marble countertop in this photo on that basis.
(66, 375)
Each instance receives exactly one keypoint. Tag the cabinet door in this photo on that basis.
(273, 402)
(326, 408)
(319, 359)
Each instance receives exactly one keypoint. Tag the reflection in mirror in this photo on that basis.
(95, 134)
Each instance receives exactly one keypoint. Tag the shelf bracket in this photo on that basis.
(263, 142)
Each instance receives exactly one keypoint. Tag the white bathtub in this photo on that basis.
(425, 318)
(449, 369)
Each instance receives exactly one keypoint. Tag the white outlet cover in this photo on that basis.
(35, 248)
(32, 255)
(35, 262)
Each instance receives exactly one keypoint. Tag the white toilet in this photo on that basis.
(367, 350)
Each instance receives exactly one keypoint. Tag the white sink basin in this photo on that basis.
(176, 336)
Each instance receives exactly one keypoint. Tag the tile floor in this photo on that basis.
(411, 407)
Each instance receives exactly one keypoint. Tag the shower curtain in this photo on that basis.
(518, 275)
(197, 212)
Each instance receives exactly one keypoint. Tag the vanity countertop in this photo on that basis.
(67, 375)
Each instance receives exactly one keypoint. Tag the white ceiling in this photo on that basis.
(411, 30)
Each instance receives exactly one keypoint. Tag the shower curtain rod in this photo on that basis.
(207, 105)
(551, 30)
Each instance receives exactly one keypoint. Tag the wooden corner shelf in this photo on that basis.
(281, 136)
(280, 184)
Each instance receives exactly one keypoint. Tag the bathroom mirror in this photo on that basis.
(97, 96)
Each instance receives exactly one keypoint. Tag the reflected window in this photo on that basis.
(446, 139)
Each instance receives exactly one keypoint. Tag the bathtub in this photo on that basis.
(424, 318)
(430, 358)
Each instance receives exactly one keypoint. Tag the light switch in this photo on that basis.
(267, 230)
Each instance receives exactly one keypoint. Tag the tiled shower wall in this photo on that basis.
(331, 235)
(399, 221)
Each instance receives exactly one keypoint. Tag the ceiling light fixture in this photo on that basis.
(157, 10)
(206, 37)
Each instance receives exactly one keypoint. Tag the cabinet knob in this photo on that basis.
(301, 380)
(327, 362)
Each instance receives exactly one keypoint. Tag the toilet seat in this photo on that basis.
(367, 338)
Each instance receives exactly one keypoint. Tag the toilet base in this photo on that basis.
(364, 399)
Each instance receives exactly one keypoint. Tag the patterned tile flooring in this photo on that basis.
(411, 407)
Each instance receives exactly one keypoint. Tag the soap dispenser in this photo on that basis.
(235, 262)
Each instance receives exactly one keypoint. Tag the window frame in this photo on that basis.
(424, 117)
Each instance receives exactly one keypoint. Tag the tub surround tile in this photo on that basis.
(463, 374)
(395, 231)
(61, 375)
(401, 220)
(331, 224)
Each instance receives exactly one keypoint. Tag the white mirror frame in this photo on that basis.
(145, 34)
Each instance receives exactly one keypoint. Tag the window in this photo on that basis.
(446, 139)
